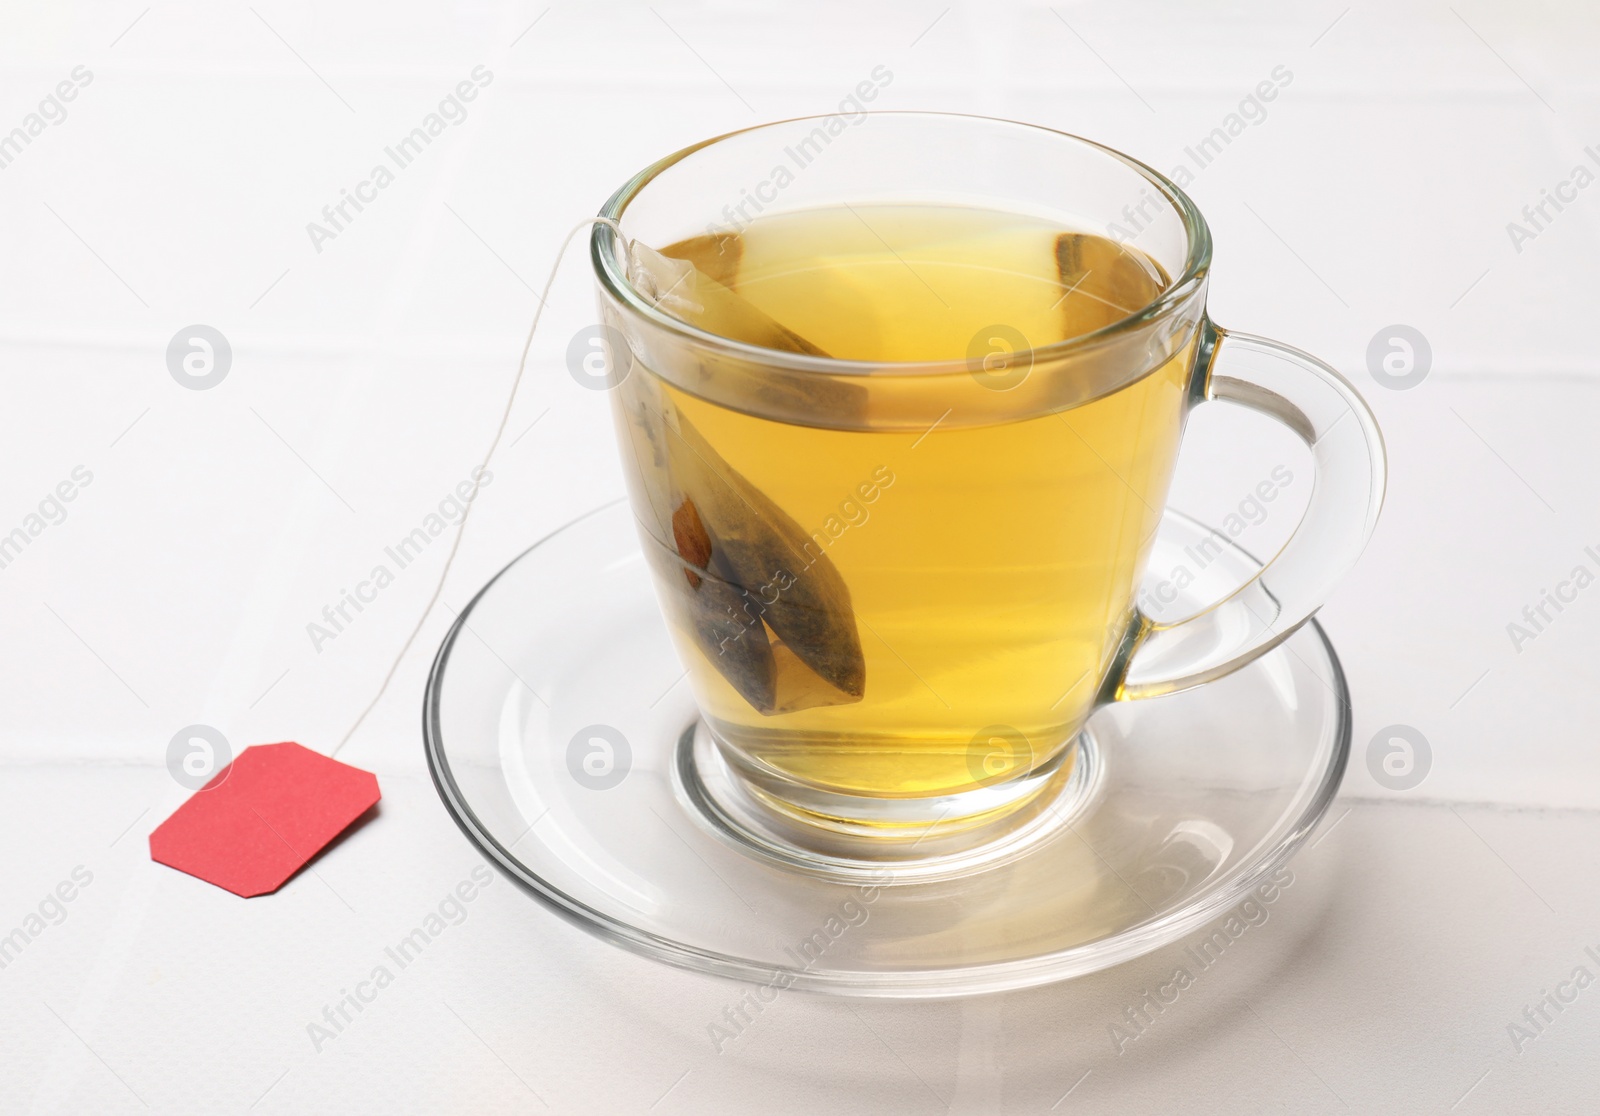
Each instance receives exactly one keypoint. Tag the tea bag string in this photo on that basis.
(488, 456)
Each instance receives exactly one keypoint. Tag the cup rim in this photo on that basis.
(613, 278)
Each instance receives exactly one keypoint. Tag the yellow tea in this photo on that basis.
(885, 611)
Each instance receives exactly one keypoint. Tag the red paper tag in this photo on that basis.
(261, 818)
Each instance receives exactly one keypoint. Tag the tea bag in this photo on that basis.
(695, 280)
(792, 583)
(729, 634)
(768, 609)
(716, 255)
(686, 291)
(767, 606)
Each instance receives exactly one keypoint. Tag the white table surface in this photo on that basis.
(364, 385)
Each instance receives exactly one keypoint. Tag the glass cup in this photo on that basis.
(900, 588)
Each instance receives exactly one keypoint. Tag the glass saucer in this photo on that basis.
(560, 733)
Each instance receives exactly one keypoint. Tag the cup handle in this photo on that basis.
(1320, 406)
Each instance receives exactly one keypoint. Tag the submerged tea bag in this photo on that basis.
(768, 609)
(724, 627)
(766, 605)
(792, 584)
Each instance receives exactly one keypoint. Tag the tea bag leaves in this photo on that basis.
(790, 580)
(678, 548)
(697, 588)
(728, 630)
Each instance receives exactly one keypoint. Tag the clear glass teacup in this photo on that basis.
(903, 398)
